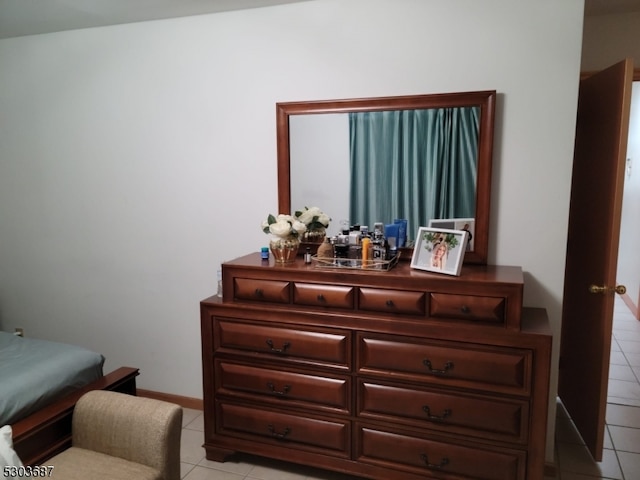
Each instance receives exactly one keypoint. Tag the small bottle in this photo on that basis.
(355, 248)
(366, 247)
(378, 248)
(307, 255)
(325, 249)
(341, 248)
(343, 237)
(219, 292)
(264, 253)
(354, 235)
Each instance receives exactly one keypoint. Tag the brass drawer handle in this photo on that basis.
(447, 366)
(466, 310)
(273, 391)
(321, 299)
(280, 351)
(434, 466)
(279, 435)
(436, 418)
(259, 293)
(389, 303)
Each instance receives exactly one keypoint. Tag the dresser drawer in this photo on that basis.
(272, 291)
(283, 387)
(321, 295)
(475, 415)
(467, 307)
(303, 432)
(296, 345)
(391, 301)
(438, 457)
(459, 364)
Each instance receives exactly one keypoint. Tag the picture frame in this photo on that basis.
(468, 224)
(439, 250)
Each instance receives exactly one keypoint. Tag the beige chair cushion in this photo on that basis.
(118, 436)
(141, 430)
(80, 464)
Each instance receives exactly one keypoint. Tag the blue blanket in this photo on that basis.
(35, 373)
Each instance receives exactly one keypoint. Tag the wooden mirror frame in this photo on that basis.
(484, 99)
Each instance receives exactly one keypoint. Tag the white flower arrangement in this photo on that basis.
(283, 226)
(313, 218)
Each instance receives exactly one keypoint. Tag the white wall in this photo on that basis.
(628, 253)
(136, 158)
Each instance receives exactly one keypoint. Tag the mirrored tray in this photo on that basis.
(355, 264)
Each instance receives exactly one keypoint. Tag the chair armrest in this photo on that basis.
(138, 429)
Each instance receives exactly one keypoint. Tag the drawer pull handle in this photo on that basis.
(279, 435)
(447, 366)
(434, 466)
(282, 350)
(259, 293)
(436, 418)
(466, 310)
(321, 298)
(390, 303)
(282, 393)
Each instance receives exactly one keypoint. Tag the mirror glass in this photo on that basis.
(317, 162)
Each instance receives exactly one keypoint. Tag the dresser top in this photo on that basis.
(401, 273)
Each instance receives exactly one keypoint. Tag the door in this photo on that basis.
(592, 249)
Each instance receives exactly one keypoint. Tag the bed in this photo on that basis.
(34, 373)
(40, 382)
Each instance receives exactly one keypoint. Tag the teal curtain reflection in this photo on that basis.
(413, 164)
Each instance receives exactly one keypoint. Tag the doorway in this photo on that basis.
(629, 264)
(624, 366)
(590, 283)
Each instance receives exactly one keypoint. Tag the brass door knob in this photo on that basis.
(619, 289)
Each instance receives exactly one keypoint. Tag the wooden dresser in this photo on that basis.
(397, 375)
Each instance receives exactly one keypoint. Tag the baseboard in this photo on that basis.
(184, 402)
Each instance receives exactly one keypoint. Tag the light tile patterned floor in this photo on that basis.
(621, 459)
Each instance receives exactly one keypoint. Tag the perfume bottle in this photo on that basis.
(219, 292)
(325, 249)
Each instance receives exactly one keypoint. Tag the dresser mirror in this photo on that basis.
(315, 159)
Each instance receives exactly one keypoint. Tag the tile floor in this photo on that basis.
(621, 459)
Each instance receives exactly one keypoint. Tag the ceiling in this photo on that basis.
(606, 7)
(30, 17)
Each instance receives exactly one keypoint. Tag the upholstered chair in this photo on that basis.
(117, 436)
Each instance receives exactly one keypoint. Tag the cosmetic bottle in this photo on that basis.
(355, 247)
(378, 246)
(366, 251)
(341, 252)
(219, 276)
(325, 249)
(402, 231)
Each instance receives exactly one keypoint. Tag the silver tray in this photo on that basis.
(355, 264)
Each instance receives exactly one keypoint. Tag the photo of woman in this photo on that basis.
(439, 256)
(440, 250)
